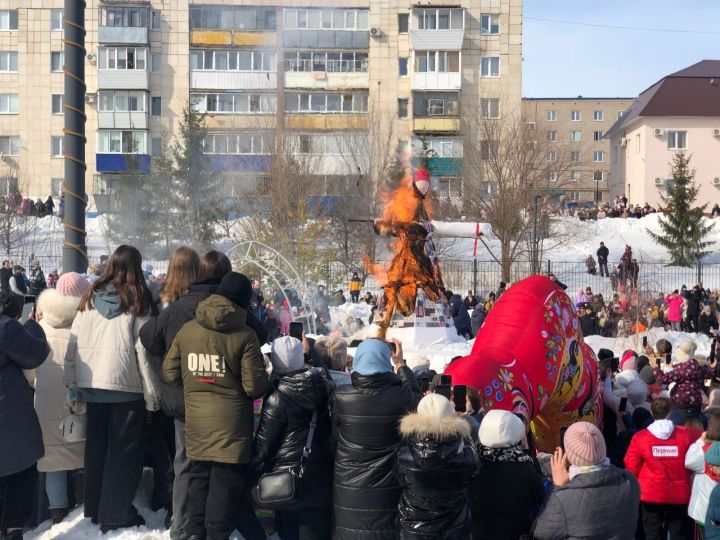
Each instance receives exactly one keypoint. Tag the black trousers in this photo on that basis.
(659, 520)
(159, 435)
(18, 492)
(304, 524)
(604, 268)
(113, 460)
(354, 296)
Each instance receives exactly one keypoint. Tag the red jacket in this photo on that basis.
(659, 464)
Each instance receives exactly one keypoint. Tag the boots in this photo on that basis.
(58, 514)
(137, 521)
(76, 488)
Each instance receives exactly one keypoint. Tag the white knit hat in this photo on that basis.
(637, 392)
(685, 351)
(501, 429)
(287, 355)
(436, 406)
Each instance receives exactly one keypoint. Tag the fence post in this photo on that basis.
(548, 268)
(699, 271)
(475, 270)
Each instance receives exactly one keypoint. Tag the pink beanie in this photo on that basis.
(72, 284)
(628, 361)
(584, 444)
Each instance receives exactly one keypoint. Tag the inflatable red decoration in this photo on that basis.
(530, 358)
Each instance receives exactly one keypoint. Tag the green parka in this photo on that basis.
(217, 359)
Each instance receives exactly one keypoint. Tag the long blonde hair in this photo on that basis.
(183, 269)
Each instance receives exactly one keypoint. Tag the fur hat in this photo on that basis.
(72, 284)
(584, 444)
(685, 351)
(501, 429)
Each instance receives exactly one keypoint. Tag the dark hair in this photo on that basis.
(660, 408)
(214, 265)
(474, 398)
(124, 272)
(713, 430)
(11, 305)
(663, 346)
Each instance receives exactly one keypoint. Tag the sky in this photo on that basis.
(568, 60)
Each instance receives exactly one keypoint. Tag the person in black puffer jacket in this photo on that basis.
(460, 316)
(477, 318)
(435, 464)
(366, 492)
(298, 391)
(509, 487)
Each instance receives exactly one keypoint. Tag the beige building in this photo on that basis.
(321, 76)
(578, 125)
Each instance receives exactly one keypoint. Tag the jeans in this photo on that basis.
(56, 489)
(659, 520)
(17, 495)
(113, 460)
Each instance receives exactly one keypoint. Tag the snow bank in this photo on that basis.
(620, 345)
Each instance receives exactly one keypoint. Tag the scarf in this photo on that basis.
(576, 470)
(510, 454)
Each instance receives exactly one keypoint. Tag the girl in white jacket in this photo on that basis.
(110, 370)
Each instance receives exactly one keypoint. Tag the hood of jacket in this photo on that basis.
(307, 388)
(220, 314)
(662, 429)
(433, 441)
(107, 302)
(57, 310)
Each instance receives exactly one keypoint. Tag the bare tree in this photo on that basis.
(15, 228)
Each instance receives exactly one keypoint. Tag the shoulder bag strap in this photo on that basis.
(308, 443)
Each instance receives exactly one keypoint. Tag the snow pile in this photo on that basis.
(340, 314)
(620, 345)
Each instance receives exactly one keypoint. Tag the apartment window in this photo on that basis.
(122, 101)
(439, 19)
(57, 60)
(155, 19)
(321, 102)
(56, 19)
(551, 157)
(437, 62)
(435, 104)
(575, 156)
(402, 67)
(449, 187)
(489, 24)
(575, 136)
(598, 176)
(489, 108)
(598, 156)
(575, 176)
(575, 116)
(241, 102)
(637, 143)
(551, 116)
(214, 17)
(444, 147)
(597, 136)
(119, 16)
(552, 176)
(403, 22)
(620, 114)
(402, 107)
(598, 116)
(8, 19)
(332, 62)
(490, 66)
(155, 63)
(326, 19)
(56, 146)
(56, 103)
(239, 60)
(156, 147)
(8, 103)
(122, 58)
(10, 145)
(551, 136)
(8, 61)
(155, 106)
(677, 140)
(239, 144)
(56, 186)
(489, 150)
(122, 142)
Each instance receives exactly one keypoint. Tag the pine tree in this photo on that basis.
(683, 230)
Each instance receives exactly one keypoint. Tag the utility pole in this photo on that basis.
(75, 257)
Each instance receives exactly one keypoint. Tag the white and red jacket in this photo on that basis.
(656, 457)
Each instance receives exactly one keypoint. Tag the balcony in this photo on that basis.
(123, 79)
(122, 163)
(436, 124)
(326, 80)
(326, 39)
(437, 81)
(239, 121)
(232, 37)
(437, 29)
(337, 121)
(125, 35)
(122, 120)
(239, 162)
(233, 80)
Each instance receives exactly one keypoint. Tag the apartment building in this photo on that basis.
(326, 80)
(577, 127)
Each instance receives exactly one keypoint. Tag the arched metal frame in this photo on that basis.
(278, 269)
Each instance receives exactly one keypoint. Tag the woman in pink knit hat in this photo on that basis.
(56, 309)
(590, 497)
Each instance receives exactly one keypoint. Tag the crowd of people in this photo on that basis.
(15, 203)
(261, 433)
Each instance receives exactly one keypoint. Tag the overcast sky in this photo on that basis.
(567, 60)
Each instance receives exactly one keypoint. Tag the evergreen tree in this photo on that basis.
(683, 232)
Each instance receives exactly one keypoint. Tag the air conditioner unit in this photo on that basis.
(659, 132)
(375, 31)
(716, 181)
(89, 98)
(659, 181)
(623, 142)
(716, 132)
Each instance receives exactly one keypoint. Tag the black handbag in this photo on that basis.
(280, 490)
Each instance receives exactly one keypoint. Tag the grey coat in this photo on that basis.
(601, 505)
(20, 436)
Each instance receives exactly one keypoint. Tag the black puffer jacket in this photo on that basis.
(460, 315)
(366, 492)
(283, 431)
(435, 464)
(159, 332)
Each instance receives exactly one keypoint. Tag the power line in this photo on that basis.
(615, 27)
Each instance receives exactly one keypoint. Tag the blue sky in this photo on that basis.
(564, 60)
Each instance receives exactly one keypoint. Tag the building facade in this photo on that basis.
(577, 125)
(681, 112)
(328, 80)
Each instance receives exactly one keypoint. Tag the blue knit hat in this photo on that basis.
(712, 454)
(372, 357)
